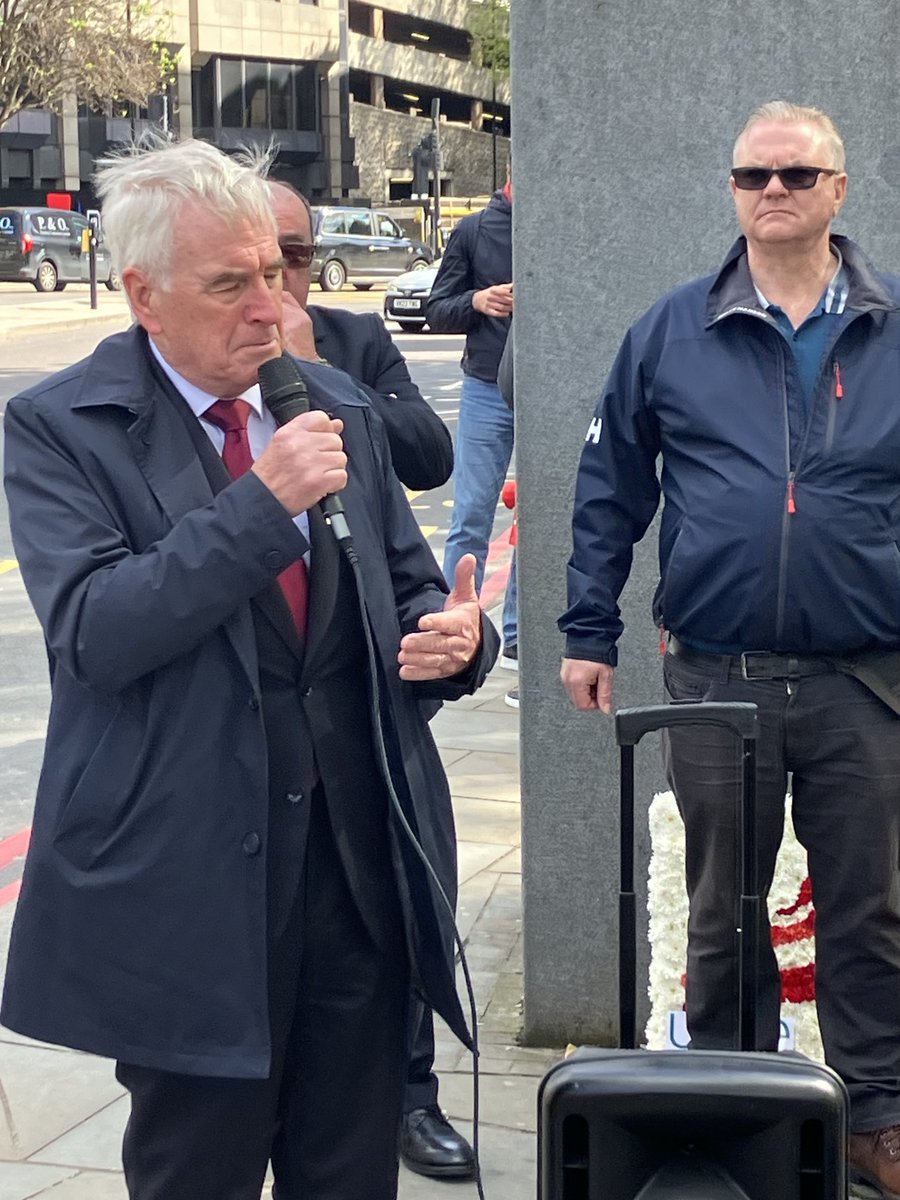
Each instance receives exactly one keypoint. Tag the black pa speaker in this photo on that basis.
(631, 1124)
(695, 1125)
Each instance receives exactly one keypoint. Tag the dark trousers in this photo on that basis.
(842, 747)
(327, 1116)
(422, 1083)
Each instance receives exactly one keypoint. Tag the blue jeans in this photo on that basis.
(484, 444)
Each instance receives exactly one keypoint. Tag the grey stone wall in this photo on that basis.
(384, 140)
(625, 117)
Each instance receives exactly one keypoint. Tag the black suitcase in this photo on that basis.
(631, 1124)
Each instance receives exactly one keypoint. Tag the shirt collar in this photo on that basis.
(198, 400)
(834, 298)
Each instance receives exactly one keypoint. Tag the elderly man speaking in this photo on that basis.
(219, 894)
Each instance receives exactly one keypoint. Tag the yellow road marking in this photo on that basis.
(7, 564)
(413, 495)
(428, 530)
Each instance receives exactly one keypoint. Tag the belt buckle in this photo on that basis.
(749, 654)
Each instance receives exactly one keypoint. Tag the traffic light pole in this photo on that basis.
(436, 164)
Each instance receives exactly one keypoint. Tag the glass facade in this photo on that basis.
(239, 93)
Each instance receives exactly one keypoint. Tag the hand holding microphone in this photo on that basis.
(305, 461)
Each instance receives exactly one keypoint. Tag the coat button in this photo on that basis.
(252, 844)
(274, 561)
(306, 693)
(253, 704)
(294, 797)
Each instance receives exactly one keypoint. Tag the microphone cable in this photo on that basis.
(286, 396)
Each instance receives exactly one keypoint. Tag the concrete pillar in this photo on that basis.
(625, 117)
(69, 144)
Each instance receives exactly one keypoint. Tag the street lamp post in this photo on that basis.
(494, 92)
(494, 124)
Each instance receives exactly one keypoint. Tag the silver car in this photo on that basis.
(406, 297)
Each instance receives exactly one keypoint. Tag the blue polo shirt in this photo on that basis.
(809, 340)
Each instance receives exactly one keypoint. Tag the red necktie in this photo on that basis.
(231, 416)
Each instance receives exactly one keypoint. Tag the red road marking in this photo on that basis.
(12, 848)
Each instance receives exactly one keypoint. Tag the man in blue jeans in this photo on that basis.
(473, 294)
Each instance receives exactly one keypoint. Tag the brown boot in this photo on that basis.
(875, 1157)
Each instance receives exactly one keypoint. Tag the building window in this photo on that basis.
(237, 93)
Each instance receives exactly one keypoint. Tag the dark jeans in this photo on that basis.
(327, 1116)
(842, 747)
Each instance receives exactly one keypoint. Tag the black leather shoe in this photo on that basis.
(429, 1145)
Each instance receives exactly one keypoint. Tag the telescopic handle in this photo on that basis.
(633, 723)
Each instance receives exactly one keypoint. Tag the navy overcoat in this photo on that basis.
(140, 932)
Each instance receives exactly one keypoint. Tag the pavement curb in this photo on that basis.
(59, 325)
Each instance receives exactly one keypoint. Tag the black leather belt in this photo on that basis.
(754, 664)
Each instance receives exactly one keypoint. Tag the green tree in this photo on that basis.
(488, 23)
(96, 50)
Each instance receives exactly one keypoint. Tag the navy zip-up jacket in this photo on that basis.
(780, 525)
(478, 255)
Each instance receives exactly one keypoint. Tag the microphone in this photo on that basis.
(286, 396)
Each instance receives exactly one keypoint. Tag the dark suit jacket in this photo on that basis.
(140, 932)
(359, 343)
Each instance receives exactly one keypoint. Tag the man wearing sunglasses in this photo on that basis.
(422, 456)
(771, 391)
(358, 343)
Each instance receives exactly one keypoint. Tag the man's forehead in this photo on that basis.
(290, 211)
(205, 238)
(787, 135)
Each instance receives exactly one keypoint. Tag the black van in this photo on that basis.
(43, 246)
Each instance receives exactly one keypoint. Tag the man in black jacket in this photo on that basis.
(359, 343)
(422, 456)
(473, 294)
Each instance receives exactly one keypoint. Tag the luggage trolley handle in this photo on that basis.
(631, 725)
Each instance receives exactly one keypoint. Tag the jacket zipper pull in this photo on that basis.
(838, 386)
(791, 506)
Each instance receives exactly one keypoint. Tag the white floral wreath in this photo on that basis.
(791, 914)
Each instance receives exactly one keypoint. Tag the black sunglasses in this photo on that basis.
(297, 254)
(795, 179)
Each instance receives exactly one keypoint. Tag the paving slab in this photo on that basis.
(488, 775)
(20, 1181)
(470, 729)
(487, 820)
(86, 1185)
(473, 857)
(45, 1093)
(508, 1165)
(96, 1143)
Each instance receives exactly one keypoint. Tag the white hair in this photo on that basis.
(144, 187)
(783, 110)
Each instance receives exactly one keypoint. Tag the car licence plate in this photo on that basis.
(407, 304)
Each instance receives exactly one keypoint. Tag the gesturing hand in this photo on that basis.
(447, 641)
